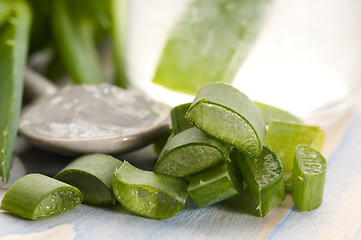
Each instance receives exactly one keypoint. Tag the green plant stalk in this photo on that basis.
(76, 44)
(309, 174)
(14, 36)
(37, 196)
(178, 118)
(92, 174)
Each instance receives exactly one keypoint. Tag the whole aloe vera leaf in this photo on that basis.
(209, 43)
(74, 32)
(14, 35)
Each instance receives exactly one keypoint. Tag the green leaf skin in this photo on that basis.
(209, 43)
(309, 174)
(92, 174)
(270, 113)
(227, 114)
(178, 118)
(189, 152)
(149, 194)
(215, 184)
(264, 178)
(14, 35)
(283, 137)
(36, 197)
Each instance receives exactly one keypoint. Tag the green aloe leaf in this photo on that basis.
(14, 35)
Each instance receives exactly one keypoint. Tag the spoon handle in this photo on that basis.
(37, 85)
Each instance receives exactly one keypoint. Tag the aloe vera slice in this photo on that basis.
(309, 173)
(92, 174)
(227, 114)
(264, 178)
(14, 34)
(37, 196)
(215, 184)
(149, 194)
(209, 43)
(189, 152)
(178, 118)
(270, 113)
(283, 137)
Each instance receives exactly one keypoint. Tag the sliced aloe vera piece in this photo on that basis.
(178, 118)
(264, 178)
(215, 184)
(92, 174)
(283, 137)
(36, 196)
(227, 114)
(189, 152)
(270, 113)
(209, 43)
(309, 174)
(149, 194)
(14, 34)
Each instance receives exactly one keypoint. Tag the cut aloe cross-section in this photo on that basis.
(209, 43)
(189, 152)
(264, 178)
(224, 112)
(149, 194)
(93, 175)
(215, 184)
(270, 113)
(283, 137)
(309, 173)
(37, 196)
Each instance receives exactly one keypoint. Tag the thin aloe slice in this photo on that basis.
(92, 174)
(264, 178)
(14, 34)
(309, 173)
(37, 196)
(270, 113)
(283, 137)
(209, 43)
(149, 194)
(178, 118)
(227, 114)
(215, 184)
(189, 152)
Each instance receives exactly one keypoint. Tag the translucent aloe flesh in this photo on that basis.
(36, 197)
(92, 174)
(224, 112)
(215, 184)
(270, 113)
(283, 137)
(14, 33)
(264, 178)
(149, 194)
(189, 152)
(309, 173)
(209, 43)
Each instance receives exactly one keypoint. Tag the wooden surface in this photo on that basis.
(339, 216)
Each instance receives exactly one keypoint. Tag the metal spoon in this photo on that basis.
(90, 118)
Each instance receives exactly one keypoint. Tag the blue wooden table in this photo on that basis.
(339, 216)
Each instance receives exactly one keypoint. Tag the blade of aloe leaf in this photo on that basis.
(283, 137)
(149, 194)
(227, 114)
(309, 173)
(35, 196)
(75, 40)
(14, 34)
(264, 178)
(92, 174)
(118, 22)
(189, 152)
(215, 184)
(270, 113)
(209, 43)
(178, 118)
(4, 11)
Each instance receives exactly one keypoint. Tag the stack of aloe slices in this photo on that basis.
(218, 141)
